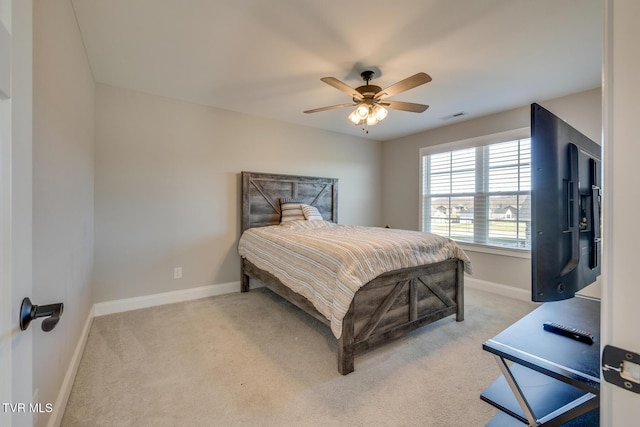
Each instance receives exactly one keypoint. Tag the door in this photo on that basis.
(621, 290)
(16, 383)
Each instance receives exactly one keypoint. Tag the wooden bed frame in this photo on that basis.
(387, 307)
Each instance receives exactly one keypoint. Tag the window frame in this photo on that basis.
(495, 138)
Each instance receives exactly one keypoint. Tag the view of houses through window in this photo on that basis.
(479, 195)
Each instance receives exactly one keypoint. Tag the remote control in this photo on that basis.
(567, 331)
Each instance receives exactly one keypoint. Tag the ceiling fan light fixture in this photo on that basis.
(355, 118)
(363, 111)
(380, 112)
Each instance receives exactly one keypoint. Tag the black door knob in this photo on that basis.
(29, 312)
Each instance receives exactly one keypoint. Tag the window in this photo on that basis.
(479, 191)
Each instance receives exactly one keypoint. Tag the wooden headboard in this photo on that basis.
(261, 193)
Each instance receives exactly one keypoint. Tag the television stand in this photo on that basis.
(547, 379)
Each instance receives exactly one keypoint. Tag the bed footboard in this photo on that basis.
(396, 303)
(386, 308)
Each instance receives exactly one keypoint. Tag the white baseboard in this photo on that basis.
(127, 304)
(497, 288)
(67, 383)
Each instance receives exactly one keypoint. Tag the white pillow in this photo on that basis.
(291, 210)
(311, 213)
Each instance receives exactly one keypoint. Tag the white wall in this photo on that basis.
(63, 134)
(401, 173)
(168, 187)
(167, 184)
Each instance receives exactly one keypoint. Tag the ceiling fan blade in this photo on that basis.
(404, 106)
(315, 110)
(332, 81)
(403, 85)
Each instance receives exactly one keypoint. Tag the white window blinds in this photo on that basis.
(479, 195)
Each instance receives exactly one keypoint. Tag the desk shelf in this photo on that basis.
(590, 419)
(544, 394)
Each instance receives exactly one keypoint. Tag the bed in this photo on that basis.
(386, 307)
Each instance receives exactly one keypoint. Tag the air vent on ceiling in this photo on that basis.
(455, 115)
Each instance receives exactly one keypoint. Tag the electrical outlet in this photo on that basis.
(177, 273)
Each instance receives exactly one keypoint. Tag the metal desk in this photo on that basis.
(548, 379)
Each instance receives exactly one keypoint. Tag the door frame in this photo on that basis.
(6, 358)
(621, 63)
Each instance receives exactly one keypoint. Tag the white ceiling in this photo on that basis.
(266, 57)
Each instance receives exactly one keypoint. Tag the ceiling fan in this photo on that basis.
(370, 100)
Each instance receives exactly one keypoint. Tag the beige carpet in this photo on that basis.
(254, 360)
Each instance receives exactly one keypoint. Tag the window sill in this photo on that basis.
(514, 253)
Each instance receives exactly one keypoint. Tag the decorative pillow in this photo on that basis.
(311, 213)
(291, 210)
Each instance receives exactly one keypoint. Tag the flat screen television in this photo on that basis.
(565, 208)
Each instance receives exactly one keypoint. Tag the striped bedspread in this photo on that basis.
(327, 263)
